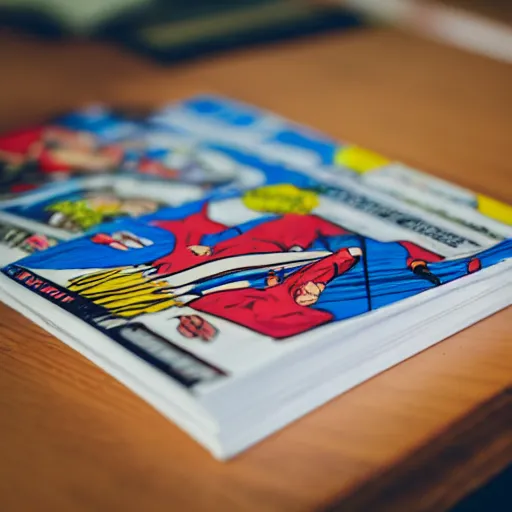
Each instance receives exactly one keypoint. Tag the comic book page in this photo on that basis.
(228, 283)
(223, 120)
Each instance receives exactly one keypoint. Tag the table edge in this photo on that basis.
(448, 467)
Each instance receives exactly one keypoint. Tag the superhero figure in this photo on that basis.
(331, 287)
(284, 309)
(29, 157)
(334, 288)
(195, 239)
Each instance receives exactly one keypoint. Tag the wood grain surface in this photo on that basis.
(438, 474)
(73, 439)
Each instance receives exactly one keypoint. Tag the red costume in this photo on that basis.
(41, 145)
(274, 311)
(418, 254)
(20, 142)
(23, 143)
(280, 234)
(276, 235)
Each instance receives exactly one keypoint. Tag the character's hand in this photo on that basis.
(200, 250)
(419, 267)
(308, 293)
(474, 265)
(37, 242)
(136, 207)
(355, 252)
(194, 326)
(121, 240)
(272, 279)
(113, 154)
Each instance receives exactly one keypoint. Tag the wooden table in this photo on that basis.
(417, 437)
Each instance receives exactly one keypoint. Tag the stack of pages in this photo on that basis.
(234, 269)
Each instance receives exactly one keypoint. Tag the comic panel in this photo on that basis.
(477, 212)
(169, 156)
(220, 279)
(18, 241)
(76, 207)
(224, 121)
(84, 143)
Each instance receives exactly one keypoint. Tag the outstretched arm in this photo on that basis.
(418, 259)
(307, 284)
(213, 239)
(419, 255)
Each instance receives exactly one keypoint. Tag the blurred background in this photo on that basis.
(170, 30)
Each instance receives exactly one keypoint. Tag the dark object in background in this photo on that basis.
(182, 29)
(495, 496)
(32, 21)
(191, 29)
(58, 18)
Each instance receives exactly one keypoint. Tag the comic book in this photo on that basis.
(239, 300)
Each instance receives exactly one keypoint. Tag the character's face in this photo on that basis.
(105, 202)
(308, 293)
(101, 160)
(80, 151)
(136, 207)
(61, 138)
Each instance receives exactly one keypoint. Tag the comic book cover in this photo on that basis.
(91, 141)
(220, 119)
(238, 280)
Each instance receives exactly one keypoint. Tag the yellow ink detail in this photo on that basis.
(82, 213)
(281, 199)
(124, 292)
(359, 159)
(494, 209)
